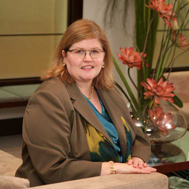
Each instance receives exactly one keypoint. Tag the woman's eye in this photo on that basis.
(94, 51)
(79, 52)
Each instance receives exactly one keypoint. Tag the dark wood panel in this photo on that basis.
(19, 81)
(172, 167)
(13, 104)
(11, 126)
(75, 10)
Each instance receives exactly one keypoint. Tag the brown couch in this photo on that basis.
(9, 163)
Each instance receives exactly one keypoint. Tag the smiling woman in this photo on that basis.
(78, 107)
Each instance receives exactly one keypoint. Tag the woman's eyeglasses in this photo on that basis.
(81, 53)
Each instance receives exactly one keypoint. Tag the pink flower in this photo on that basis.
(131, 58)
(179, 39)
(158, 89)
(155, 114)
(165, 11)
(161, 119)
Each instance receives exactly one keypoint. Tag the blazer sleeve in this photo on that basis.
(46, 132)
(141, 147)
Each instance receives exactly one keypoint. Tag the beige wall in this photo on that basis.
(28, 56)
(118, 36)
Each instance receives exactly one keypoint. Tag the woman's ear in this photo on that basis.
(63, 53)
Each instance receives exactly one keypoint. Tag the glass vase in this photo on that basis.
(166, 127)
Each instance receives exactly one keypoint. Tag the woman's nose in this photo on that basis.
(87, 56)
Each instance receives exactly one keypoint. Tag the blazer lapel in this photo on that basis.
(84, 109)
(110, 105)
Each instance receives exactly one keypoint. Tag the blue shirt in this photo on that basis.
(108, 125)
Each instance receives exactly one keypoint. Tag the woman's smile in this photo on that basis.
(87, 67)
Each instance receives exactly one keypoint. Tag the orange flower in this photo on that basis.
(165, 11)
(179, 39)
(162, 120)
(131, 58)
(159, 90)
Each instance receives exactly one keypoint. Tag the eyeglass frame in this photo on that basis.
(71, 50)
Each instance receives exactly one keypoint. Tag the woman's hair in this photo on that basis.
(78, 31)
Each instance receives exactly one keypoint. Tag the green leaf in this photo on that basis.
(131, 103)
(126, 84)
(177, 101)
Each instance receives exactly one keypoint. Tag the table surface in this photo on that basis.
(171, 157)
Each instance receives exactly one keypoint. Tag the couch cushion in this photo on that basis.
(8, 163)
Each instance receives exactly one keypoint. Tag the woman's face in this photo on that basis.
(84, 60)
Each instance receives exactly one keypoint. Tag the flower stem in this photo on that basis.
(132, 80)
(126, 84)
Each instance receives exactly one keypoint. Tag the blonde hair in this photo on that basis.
(78, 31)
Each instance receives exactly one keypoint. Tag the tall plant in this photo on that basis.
(146, 25)
(152, 84)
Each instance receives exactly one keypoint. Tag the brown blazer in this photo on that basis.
(55, 147)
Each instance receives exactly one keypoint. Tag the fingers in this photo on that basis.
(137, 162)
(143, 170)
(139, 166)
(152, 169)
(124, 168)
(130, 162)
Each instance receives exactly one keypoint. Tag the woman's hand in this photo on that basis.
(137, 162)
(135, 165)
(124, 168)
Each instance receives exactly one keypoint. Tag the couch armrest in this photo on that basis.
(8, 163)
(117, 181)
(8, 182)
(8, 166)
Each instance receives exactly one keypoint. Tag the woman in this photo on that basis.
(76, 125)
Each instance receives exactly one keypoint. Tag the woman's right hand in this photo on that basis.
(125, 168)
